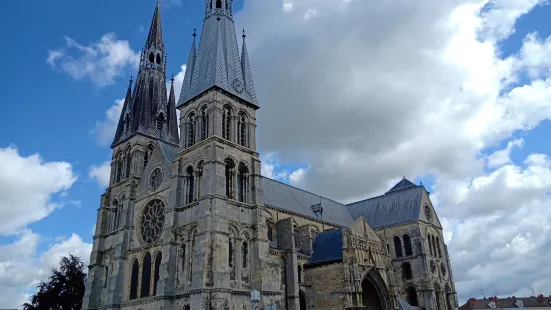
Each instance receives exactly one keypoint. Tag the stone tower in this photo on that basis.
(222, 231)
(147, 118)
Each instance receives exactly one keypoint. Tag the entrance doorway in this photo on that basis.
(370, 296)
(302, 300)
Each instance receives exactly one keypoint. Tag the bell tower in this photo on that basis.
(219, 179)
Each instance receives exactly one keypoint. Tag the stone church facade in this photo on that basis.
(189, 222)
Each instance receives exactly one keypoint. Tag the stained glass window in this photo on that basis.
(152, 221)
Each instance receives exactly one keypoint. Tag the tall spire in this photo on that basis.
(147, 111)
(217, 62)
(171, 96)
(246, 68)
(155, 36)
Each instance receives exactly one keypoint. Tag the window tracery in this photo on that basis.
(152, 221)
(156, 178)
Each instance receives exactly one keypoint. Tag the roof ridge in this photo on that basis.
(303, 190)
(385, 194)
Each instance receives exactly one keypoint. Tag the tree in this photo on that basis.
(64, 289)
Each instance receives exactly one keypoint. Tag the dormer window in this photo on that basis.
(151, 58)
(160, 121)
(158, 59)
(318, 210)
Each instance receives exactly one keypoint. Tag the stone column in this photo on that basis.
(286, 242)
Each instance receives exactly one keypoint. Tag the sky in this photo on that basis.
(354, 95)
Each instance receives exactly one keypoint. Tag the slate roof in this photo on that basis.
(528, 302)
(169, 151)
(283, 196)
(148, 99)
(400, 204)
(217, 62)
(327, 247)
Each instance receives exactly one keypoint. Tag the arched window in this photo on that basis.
(146, 276)
(204, 123)
(433, 245)
(245, 254)
(438, 247)
(190, 185)
(231, 263)
(115, 221)
(226, 123)
(229, 173)
(199, 177)
(211, 4)
(242, 183)
(105, 276)
(407, 245)
(242, 129)
(147, 155)
(407, 273)
(118, 165)
(157, 274)
(398, 246)
(160, 121)
(430, 245)
(128, 164)
(411, 294)
(218, 4)
(299, 271)
(134, 280)
(270, 227)
(158, 59)
(191, 130)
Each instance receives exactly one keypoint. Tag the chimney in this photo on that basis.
(472, 301)
(514, 299)
(540, 297)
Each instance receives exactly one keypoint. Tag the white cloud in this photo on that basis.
(29, 186)
(101, 173)
(502, 157)
(101, 62)
(22, 268)
(104, 131)
(416, 89)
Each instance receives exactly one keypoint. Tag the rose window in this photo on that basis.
(152, 221)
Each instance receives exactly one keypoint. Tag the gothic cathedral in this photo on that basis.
(189, 222)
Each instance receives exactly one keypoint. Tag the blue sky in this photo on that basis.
(53, 113)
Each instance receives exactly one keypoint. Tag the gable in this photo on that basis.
(423, 212)
(361, 227)
(161, 157)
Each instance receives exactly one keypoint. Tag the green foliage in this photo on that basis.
(64, 289)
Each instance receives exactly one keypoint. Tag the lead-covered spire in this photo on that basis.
(246, 68)
(147, 111)
(217, 62)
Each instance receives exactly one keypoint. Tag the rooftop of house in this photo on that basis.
(539, 301)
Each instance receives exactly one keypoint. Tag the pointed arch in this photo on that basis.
(430, 244)
(226, 122)
(375, 294)
(157, 269)
(191, 129)
(245, 254)
(134, 279)
(438, 247)
(407, 245)
(229, 175)
(411, 296)
(242, 183)
(204, 123)
(242, 125)
(147, 155)
(190, 185)
(397, 246)
(146, 276)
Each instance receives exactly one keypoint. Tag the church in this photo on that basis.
(189, 222)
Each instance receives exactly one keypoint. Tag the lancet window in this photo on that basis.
(242, 130)
(245, 254)
(160, 121)
(191, 127)
(242, 183)
(134, 279)
(146, 276)
(204, 123)
(226, 123)
(407, 245)
(398, 246)
(229, 175)
(157, 275)
(189, 186)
